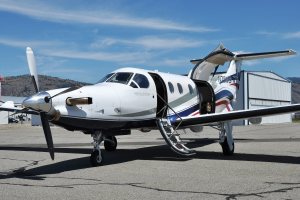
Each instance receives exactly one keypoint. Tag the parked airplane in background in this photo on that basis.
(131, 98)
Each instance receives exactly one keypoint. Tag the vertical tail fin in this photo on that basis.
(227, 88)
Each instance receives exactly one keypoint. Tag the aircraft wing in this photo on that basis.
(235, 115)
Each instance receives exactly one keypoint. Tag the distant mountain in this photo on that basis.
(295, 89)
(294, 79)
(22, 86)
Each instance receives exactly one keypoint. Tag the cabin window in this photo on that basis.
(191, 89)
(141, 80)
(120, 77)
(171, 87)
(179, 88)
(105, 78)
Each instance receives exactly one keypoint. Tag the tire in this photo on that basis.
(95, 160)
(226, 149)
(109, 145)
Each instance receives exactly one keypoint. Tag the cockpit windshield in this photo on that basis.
(120, 77)
(107, 76)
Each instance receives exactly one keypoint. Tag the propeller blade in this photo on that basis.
(32, 68)
(65, 91)
(48, 135)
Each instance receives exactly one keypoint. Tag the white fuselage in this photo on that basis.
(114, 102)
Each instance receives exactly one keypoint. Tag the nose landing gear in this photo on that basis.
(96, 158)
(110, 144)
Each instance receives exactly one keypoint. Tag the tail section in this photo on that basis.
(204, 67)
(226, 90)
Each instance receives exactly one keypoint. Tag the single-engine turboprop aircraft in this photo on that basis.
(131, 98)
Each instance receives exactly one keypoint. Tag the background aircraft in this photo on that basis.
(131, 98)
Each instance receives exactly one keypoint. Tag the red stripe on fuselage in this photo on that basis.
(223, 102)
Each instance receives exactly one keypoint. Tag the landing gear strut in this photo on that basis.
(96, 158)
(226, 138)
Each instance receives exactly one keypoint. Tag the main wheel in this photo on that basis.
(226, 148)
(110, 143)
(96, 159)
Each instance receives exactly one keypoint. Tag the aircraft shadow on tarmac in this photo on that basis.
(159, 152)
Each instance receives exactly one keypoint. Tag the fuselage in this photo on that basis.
(127, 98)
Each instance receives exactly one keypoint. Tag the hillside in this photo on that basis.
(22, 86)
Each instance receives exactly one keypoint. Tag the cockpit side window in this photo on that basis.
(132, 84)
(120, 77)
(105, 78)
(141, 80)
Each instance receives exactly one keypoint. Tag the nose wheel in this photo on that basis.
(96, 158)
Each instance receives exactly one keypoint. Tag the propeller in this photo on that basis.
(47, 99)
(32, 68)
(43, 115)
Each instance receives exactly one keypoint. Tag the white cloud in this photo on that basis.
(292, 35)
(266, 33)
(286, 35)
(251, 62)
(99, 56)
(42, 11)
(150, 42)
(26, 43)
(176, 62)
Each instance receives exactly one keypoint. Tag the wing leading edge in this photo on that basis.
(235, 115)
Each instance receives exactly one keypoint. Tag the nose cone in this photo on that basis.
(39, 102)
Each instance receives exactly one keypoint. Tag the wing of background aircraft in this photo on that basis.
(10, 107)
(235, 115)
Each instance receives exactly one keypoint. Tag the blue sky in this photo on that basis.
(84, 40)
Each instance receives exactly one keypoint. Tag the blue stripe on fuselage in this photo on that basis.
(183, 113)
(224, 94)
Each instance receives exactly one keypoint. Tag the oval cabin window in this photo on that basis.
(171, 87)
(180, 90)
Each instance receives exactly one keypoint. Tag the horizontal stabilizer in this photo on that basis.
(220, 57)
(251, 56)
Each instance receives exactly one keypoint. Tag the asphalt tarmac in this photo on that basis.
(266, 165)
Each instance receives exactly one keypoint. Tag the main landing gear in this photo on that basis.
(110, 144)
(226, 138)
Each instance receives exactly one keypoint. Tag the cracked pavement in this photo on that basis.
(266, 166)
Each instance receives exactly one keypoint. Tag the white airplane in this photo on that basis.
(131, 98)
